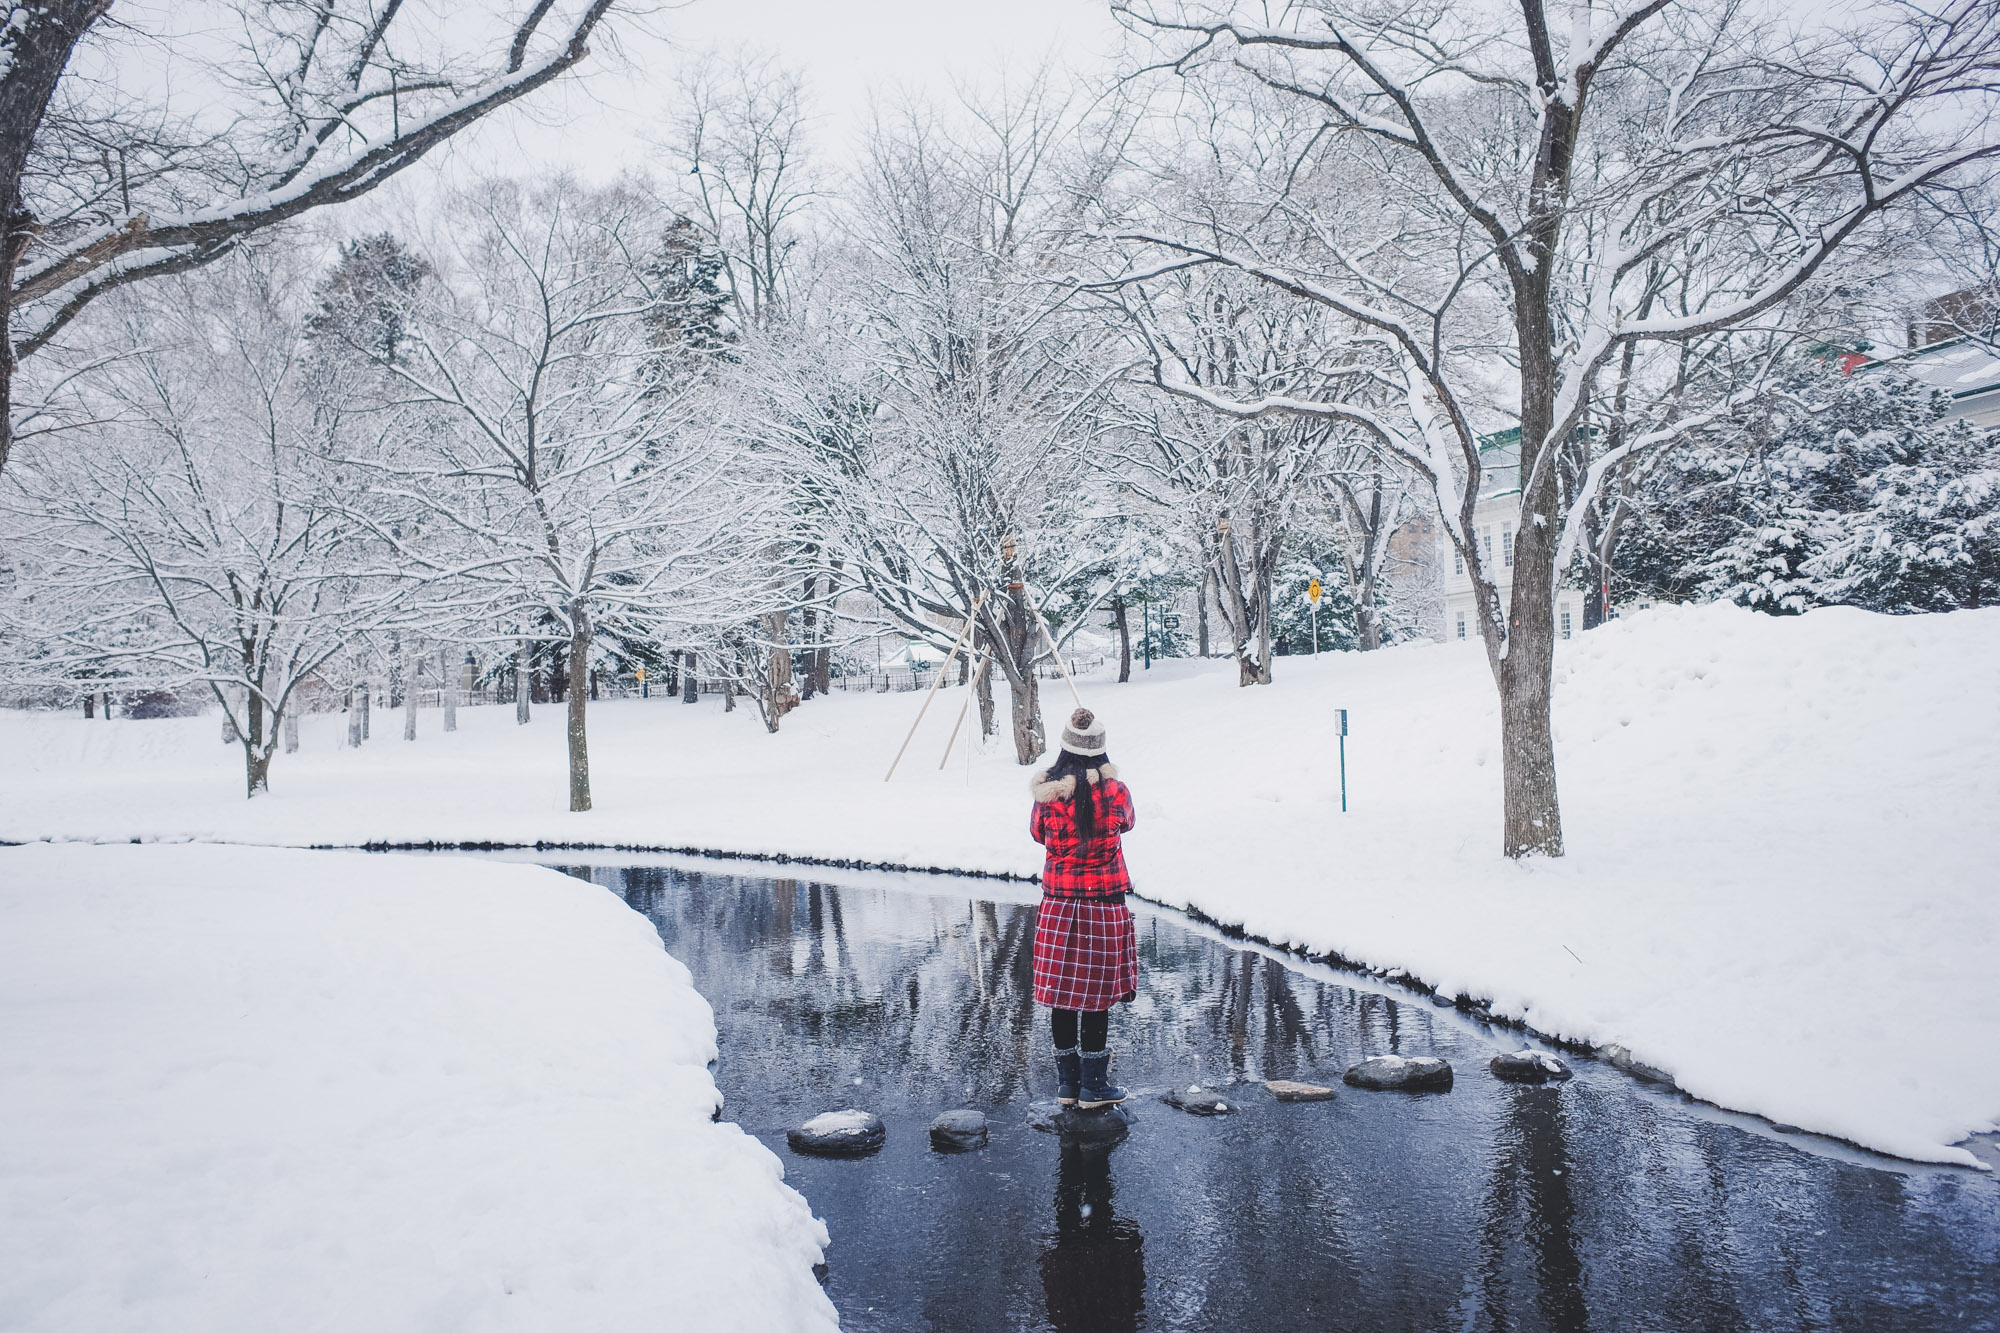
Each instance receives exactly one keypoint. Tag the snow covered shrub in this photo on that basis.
(1835, 491)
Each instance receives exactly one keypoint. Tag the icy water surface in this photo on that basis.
(1601, 1204)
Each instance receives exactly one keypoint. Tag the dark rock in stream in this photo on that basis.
(1106, 1126)
(838, 1134)
(958, 1131)
(1621, 1058)
(1529, 1066)
(1424, 1073)
(1197, 1100)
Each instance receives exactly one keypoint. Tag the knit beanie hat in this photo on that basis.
(1084, 735)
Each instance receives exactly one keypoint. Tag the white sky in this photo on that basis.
(846, 49)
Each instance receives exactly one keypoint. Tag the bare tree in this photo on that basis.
(739, 161)
(971, 474)
(311, 103)
(1523, 178)
(196, 534)
(539, 443)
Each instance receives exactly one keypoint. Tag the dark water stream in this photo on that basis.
(1602, 1204)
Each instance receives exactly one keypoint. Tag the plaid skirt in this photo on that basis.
(1086, 954)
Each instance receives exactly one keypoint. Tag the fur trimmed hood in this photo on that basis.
(1063, 788)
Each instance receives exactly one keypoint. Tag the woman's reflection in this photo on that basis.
(1094, 1266)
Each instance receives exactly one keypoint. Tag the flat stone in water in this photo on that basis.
(958, 1131)
(1108, 1125)
(838, 1134)
(1424, 1073)
(1290, 1090)
(1197, 1100)
(1620, 1057)
(1529, 1066)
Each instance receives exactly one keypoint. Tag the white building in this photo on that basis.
(1966, 368)
(1495, 520)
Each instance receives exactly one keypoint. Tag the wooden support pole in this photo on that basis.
(1057, 653)
(972, 688)
(943, 667)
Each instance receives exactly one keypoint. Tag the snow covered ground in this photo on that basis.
(1781, 885)
(245, 1088)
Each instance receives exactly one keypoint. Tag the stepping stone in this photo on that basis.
(1424, 1073)
(1288, 1090)
(958, 1131)
(1529, 1066)
(838, 1134)
(1108, 1125)
(1620, 1057)
(1197, 1100)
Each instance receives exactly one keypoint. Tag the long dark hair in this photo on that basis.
(1083, 804)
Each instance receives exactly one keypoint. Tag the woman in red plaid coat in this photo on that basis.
(1086, 953)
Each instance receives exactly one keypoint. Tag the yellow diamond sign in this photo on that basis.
(1312, 591)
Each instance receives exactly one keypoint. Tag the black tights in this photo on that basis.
(1095, 1025)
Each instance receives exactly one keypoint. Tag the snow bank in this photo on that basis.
(253, 1089)
(1780, 887)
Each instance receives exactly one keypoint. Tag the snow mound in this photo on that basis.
(251, 1089)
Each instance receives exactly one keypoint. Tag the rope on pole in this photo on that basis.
(949, 658)
(978, 671)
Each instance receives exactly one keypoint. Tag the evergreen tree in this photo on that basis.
(363, 300)
(690, 309)
(1837, 490)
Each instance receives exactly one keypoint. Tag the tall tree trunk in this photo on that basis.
(522, 685)
(1125, 638)
(256, 769)
(1260, 602)
(690, 683)
(809, 636)
(367, 705)
(822, 653)
(1021, 635)
(410, 678)
(982, 689)
(776, 684)
(35, 45)
(258, 754)
(1525, 656)
(354, 716)
(1201, 599)
(448, 676)
(292, 727)
(579, 699)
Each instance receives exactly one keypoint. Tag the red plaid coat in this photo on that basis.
(1086, 952)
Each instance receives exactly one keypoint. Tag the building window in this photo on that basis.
(1565, 620)
(1461, 624)
(1507, 546)
(1457, 560)
(1486, 538)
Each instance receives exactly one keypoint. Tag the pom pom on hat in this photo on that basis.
(1084, 735)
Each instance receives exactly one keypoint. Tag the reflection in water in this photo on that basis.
(1596, 1205)
(1094, 1265)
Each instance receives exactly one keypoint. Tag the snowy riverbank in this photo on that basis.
(1780, 886)
(250, 1089)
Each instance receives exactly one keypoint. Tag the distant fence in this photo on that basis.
(891, 682)
(321, 697)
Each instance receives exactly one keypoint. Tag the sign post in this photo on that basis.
(1312, 595)
(1340, 730)
(642, 682)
